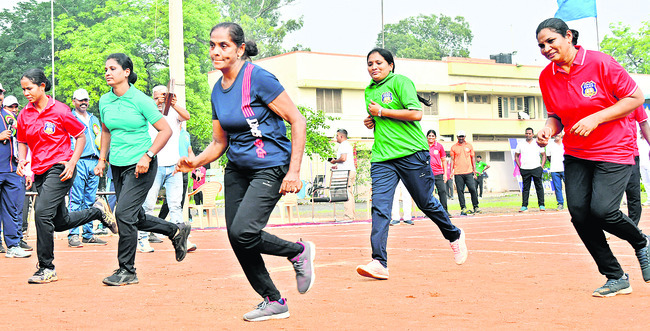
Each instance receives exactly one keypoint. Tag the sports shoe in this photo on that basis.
(613, 287)
(460, 248)
(560, 206)
(74, 242)
(153, 238)
(108, 219)
(2, 249)
(267, 310)
(394, 222)
(191, 247)
(303, 264)
(465, 212)
(523, 209)
(144, 247)
(643, 255)
(374, 269)
(542, 208)
(101, 231)
(42, 276)
(16, 251)
(93, 241)
(180, 240)
(121, 277)
(409, 222)
(24, 246)
(477, 211)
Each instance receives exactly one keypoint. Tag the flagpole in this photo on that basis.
(52, 26)
(596, 18)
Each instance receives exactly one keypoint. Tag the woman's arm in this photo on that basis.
(215, 149)
(105, 143)
(552, 127)
(399, 114)
(72, 163)
(620, 109)
(284, 107)
(22, 162)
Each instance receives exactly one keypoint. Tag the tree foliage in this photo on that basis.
(428, 37)
(87, 31)
(316, 142)
(631, 49)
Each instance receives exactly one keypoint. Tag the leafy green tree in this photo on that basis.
(631, 49)
(260, 20)
(428, 37)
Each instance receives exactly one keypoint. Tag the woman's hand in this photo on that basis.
(21, 167)
(68, 171)
(586, 125)
(374, 108)
(369, 122)
(543, 136)
(186, 164)
(28, 182)
(99, 168)
(291, 183)
(143, 165)
(5, 135)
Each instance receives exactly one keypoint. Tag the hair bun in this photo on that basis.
(251, 48)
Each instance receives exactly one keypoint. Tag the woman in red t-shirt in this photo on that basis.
(588, 94)
(45, 126)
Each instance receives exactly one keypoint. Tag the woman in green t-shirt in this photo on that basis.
(400, 152)
(126, 113)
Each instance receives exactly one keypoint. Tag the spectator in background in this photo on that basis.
(633, 188)
(555, 153)
(84, 186)
(198, 179)
(184, 150)
(531, 169)
(480, 174)
(449, 177)
(439, 169)
(345, 161)
(644, 165)
(464, 171)
(400, 190)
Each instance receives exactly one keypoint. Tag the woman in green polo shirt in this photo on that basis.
(125, 113)
(400, 152)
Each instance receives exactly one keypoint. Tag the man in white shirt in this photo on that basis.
(167, 159)
(527, 157)
(555, 153)
(345, 161)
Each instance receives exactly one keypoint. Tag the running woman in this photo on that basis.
(589, 95)
(45, 126)
(125, 112)
(400, 152)
(249, 107)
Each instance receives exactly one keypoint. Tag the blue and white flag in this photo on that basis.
(571, 10)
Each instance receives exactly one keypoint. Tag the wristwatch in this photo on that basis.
(150, 154)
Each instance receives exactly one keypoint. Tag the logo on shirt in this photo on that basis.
(436, 152)
(589, 89)
(386, 97)
(49, 128)
(96, 129)
(261, 153)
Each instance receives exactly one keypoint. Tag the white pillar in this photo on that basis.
(177, 50)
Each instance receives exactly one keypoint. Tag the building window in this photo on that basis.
(473, 98)
(433, 98)
(511, 106)
(497, 156)
(329, 100)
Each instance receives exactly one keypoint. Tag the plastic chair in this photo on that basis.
(289, 201)
(210, 192)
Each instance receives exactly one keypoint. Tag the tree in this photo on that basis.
(630, 49)
(428, 37)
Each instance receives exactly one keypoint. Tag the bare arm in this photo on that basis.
(618, 110)
(398, 114)
(543, 159)
(517, 161)
(183, 114)
(215, 149)
(284, 107)
(552, 127)
(104, 144)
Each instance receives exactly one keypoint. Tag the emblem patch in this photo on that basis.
(589, 89)
(386, 97)
(49, 128)
(96, 129)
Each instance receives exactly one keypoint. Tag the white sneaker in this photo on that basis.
(460, 248)
(143, 245)
(16, 251)
(191, 247)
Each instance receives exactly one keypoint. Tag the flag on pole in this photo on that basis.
(571, 10)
